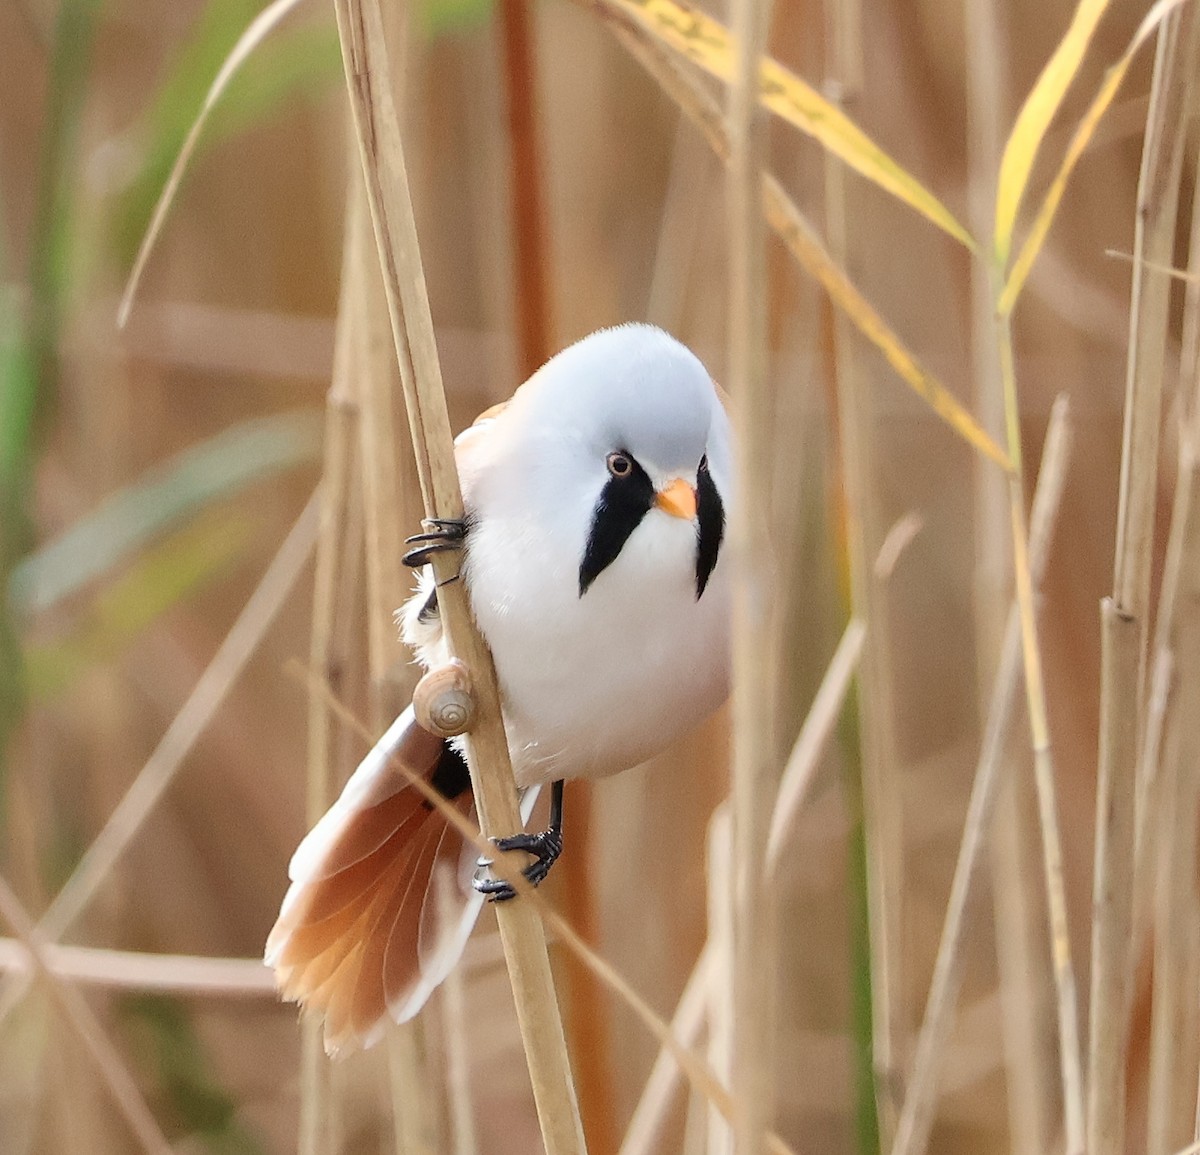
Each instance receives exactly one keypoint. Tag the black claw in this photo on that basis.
(442, 534)
(545, 845)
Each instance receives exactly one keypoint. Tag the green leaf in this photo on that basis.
(446, 17)
(164, 576)
(168, 1047)
(129, 518)
(296, 63)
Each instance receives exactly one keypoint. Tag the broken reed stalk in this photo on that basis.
(1127, 784)
(1070, 1057)
(364, 55)
(754, 618)
(1112, 884)
(247, 631)
(879, 1020)
(920, 1102)
(80, 1018)
(341, 435)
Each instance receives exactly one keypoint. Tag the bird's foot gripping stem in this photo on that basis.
(544, 845)
(441, 534)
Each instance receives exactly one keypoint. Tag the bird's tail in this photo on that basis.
(363, 933)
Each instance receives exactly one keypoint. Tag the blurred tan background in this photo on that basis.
(235, 322)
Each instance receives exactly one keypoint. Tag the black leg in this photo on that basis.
(545, 846)
(441, 534)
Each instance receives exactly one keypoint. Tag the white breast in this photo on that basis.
(595, 684)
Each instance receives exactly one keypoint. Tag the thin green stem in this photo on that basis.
(862, 1002)
(29, 359)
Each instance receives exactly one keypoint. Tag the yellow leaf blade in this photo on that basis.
(707, 42)
(1079, 142)
(1034, 119)
(795, 232)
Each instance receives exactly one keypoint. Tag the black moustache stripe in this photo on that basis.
(624, 501)
(710, 527)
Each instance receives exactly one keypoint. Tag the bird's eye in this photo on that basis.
(620, 464)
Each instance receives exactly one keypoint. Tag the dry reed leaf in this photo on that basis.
(1079, 143)
(1034, 119)
(707, 42)
(87, 1028)
(642, 1134)
(802, 242)
(258, 30)
(797, 234)
(136, 970)
(814, 734)
(920, 1101)
(1155, 266)
(144, 793)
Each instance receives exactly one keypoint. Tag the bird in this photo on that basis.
(594, 551)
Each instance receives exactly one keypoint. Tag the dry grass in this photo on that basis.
(799, 965)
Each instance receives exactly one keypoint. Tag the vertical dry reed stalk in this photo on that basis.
(534, 323)
(456, 1041)
(1170, 761)
(326, 656)
(880, 790)
(389, 504)
(1127, 796)
(1112, 891)
(722, 934)
(709, 983)
(534, 329)
(1020, 929)
(1175, 1018)
(920, 1102)
(1070, 1060)
(368, 77)
(754, 672)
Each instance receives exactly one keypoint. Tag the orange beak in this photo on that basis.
(678, 499)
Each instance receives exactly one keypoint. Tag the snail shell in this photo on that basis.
(442, 701)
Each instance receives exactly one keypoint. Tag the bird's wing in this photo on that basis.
(363, 933)
(420, 624)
